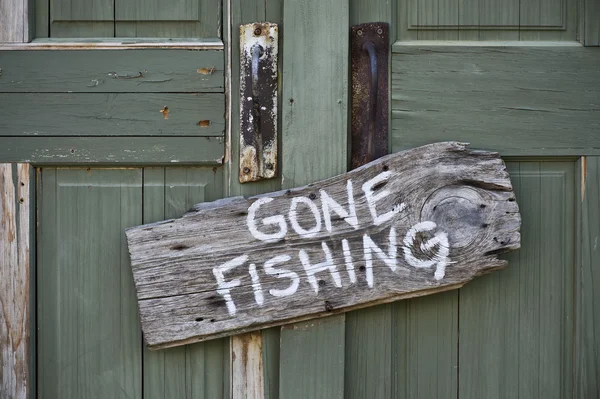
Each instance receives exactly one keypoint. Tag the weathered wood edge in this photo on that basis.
(451, 146)
(15, 263)
(414, 294)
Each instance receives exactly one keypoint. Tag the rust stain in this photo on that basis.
(165, 112)
(203, 123)
(206, 71)
(583, 176)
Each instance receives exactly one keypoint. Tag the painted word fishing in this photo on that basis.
(437, 244)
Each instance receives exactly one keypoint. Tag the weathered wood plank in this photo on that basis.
(587, 361)
(112, 114)
(462, 196)
(112, 71)
(14, 21)
(247, 366)
(15, 264)
(539, 96)
(104, 150)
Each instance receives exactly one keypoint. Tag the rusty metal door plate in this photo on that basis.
(258, 101)
(370, 99)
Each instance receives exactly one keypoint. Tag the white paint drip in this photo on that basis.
(282, 273)
(372, 199)
(329, 204)
(389, 259)
(440, 240)
(271, 220)
(294, 217)
(348, 261)
(224, 287)
(256, 287)
(311, 269)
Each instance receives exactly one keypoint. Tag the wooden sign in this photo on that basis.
(408, 224)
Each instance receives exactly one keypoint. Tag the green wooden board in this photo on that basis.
(110, 71)
(89, 341)
(516, 326)
(112, 114)
(587, 377)
(314, 125)
(514, 100)
(192, 371)
(112, 150)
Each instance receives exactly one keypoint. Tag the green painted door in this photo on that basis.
(116, 139)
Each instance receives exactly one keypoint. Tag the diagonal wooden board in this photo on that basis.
(413, 223)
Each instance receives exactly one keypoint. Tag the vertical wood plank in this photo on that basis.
(89, 336)
(368, 341)
(198, 370)
(244, 383)
(516, 325)
(15, 24)
(590, 21)
(425, 347)
(587, 377)
(315, 142)
(247, 366)
(15, 264)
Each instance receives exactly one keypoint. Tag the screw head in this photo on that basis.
(246, 170)
(379, 31)
(269, 166)
(257, 32)
(359, 32)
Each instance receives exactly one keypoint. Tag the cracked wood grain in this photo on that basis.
(409, 224)
(14, 280)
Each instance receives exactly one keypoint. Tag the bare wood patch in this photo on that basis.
(409, 224)
(14, 280)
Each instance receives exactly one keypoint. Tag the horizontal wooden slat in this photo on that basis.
(92, 71)
(113, 150)
(516, 100)
(111, 114)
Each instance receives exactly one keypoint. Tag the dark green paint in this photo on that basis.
(110, 71)
(112, 150)
(112, 114)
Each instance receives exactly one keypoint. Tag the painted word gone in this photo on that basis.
(275, 266)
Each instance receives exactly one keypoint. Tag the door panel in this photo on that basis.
(191, 371)
(89, 339)
(516, 325)
(89, 345)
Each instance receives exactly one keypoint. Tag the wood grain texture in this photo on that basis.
(193, 371)
(587, 361)
(112, 71)
(243, 12)
(590, 22)
(247, 366)
(15, 264)
(112, 114)
(466, 194)
(487, 20)
(518, 101)
(89, 341)
(309, 346)
(112, 150)
(314, 117)
(14, 21)
(516, 326)
(181, 19)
